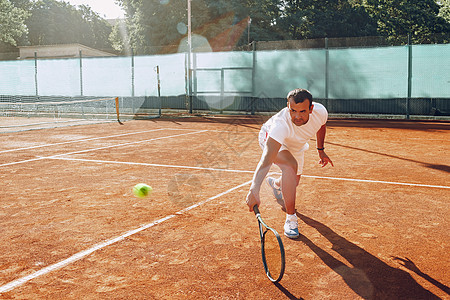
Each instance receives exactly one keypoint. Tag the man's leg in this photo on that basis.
(275, 184)
(278, 181)
(289, 181)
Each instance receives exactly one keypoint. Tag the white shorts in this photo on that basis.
(299, 155)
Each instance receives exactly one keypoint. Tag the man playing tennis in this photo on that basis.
(284, 139)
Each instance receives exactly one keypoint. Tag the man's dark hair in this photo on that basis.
(300, 95)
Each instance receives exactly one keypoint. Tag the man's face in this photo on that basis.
(299, 111)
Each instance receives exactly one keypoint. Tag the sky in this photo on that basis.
(105, 8)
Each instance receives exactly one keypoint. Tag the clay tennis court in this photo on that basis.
(375, 226)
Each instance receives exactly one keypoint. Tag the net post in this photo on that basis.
(117, 110)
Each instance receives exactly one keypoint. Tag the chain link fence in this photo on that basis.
(405, 80)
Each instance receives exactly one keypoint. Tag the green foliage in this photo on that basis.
(444, 11)
(149, 23)
(54, 22)
(12, 23)
(265, 15)
(419, 18)
(326, 18)
(160, 26)
(117, 37)
(153, 24)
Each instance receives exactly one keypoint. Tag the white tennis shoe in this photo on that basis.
(291, 229)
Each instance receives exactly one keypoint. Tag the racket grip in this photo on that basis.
(256, 209)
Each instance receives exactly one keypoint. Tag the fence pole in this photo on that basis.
(159, 90)
(189, 54)
(194, 75)
(253, 76)
(81, 74)
(36, 73)
(132, 72)
(222, 84)
(327, 61)
(409, 76)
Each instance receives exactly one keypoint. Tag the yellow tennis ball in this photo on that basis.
(142, 190)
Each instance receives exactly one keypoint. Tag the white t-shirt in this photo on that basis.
(292, 137)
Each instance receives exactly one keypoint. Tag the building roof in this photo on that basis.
(60, 51)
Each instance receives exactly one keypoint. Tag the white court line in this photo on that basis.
(100, 148)
(126, 144)
(243, 171)
(40, 123)
(13, 284)
(108, 136)
(380, 181)
(105, 137)
(76, 141)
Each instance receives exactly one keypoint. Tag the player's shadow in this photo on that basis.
(439, 167)
(369, 277)
(410, 265)
(286, 292)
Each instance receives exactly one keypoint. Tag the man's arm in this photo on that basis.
(320, 138)
(267, 159)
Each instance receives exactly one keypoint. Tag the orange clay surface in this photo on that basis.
(374, 226)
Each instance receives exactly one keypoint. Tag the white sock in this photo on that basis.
(292, 217)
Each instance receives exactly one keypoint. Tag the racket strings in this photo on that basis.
(273, 255)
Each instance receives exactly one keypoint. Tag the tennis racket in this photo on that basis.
(272, 249)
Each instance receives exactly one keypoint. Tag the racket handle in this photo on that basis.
(256, 209)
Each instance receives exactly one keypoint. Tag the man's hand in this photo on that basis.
(324, 159)
(252, 199)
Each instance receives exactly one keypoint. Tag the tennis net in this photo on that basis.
(78, 109)
(75, 108)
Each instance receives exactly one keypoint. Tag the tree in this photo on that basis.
(23, 4)
(119, 38)
(444, 11)
(95, 30)
(419, 18)
(325, 18)
(55, 22)
(264, 16)
(12, 22)
(151, 25)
